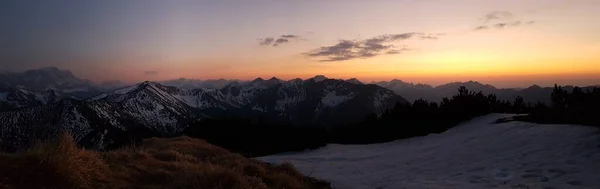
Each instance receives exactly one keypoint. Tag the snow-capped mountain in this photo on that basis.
(313, 100)
(50, 78)
(20, 128)
(294, 101)
(155, 106)
(16, 98)
(153, 109)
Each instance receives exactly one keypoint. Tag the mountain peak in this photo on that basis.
(260, 79)
(396, 81)
(535, 87)
(319, 78)
(354, 80)
(148, 84)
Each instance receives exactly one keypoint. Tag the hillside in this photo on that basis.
(475, 154)
(155, 163)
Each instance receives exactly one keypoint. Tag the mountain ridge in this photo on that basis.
(149, 108)
(83, 88)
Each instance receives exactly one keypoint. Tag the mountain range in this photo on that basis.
(411, 92)
(65, 83)
(150, 108)
(39, 104)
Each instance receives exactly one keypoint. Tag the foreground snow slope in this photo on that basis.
(476, 154)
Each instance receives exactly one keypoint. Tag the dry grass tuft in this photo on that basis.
(180, 162)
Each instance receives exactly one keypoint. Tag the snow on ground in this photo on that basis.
(475, 154)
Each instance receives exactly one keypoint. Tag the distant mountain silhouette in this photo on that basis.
(64, 82)
(413, 92)
(185, 83)
(49, 78)
(354, 80)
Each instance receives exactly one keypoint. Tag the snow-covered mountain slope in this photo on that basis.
(15, 98)
(156, 106)
(326, 101)
(475, 154)
(158, 110)
(89, 123)
(311, 101)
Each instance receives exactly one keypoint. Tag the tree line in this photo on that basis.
(256, 137)
(578, 106)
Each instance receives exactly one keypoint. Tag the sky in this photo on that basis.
(509, 43)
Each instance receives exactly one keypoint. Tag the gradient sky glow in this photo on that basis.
(542, 41)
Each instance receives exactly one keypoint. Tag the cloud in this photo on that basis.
(338, 52)
(500, 20)
(281, 41)
(429, 37)
(393, 52)
(290, 36)
(352, 49)
(398, 51)
(266, 41)
(483, 27)
(502, 25)
(150, 72)
(276, 41)
(497, 15)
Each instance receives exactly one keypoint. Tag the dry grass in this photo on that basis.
(180, 162)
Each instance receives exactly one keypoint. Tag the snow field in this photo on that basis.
(475, 154)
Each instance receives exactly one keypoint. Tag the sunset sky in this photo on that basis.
(508, 43)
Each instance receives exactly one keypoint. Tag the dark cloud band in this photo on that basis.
(352, 49)
(272, 41)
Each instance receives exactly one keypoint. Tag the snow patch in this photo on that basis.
(475, 154)
(257, 108)
(331, 99)
(380, 100)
